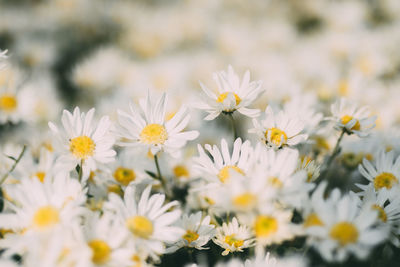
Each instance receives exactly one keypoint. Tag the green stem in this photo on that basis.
(3, 179)
(159, 176)
(335, 152)
(80, 173)
(235, 134)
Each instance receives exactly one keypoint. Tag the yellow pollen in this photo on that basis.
(82, 147)
(45, 217)
(224, 175)
(265, 226)
(223, 96)
(346, 119)
(181, 171)
(115, 188)
(344, 233)
(136, 259)
(124, 175)
(100, 251)
(209, 201)
(312, 220)
(8, 103)
(321, 142)
(190, 236)
(381, 212)
(369, 156)
(40, 176)
(385, 179)
(153, 134)
(278, 137)
(231, 240)
(275, 182)
(140, 226)
(246, 200)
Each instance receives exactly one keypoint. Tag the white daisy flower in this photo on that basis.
(273, 226)
(198, 231)
(147, 219)
(280, 178)
(83, 143)
(222, 163)
(316, 204)
(310, 166)
(107, 241)
(12, 107)
(41, 206)
(388, 210)
(346, 230)
(279, 129)
(351, 118)
(152, 130)
(266, 260)
(384, 173)
(231, 95)
(233, 237)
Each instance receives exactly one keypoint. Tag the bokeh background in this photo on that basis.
(104, 53)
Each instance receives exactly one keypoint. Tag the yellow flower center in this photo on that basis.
(190, 236)
(246, 200)
(346, 119)
(136, 259)
(209, 201)
(181, 171)
(100, 251)
(385, 179)
(45, 217)
(140, 226)
(278, 137)
(153, 134)
(124, 175)
(223, 96)
(115, 188)
(264, 226)
(381, 212)
(82, 147)
(312, 220)
(231, 240)
(275, 182)
(224, 175)
(344, 233)
(8, 103)
(40, 176)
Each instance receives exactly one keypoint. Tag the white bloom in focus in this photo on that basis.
(351, 118)
(279, 129)
(147, 219)
(152, 130)
(83, 142)
(233, 237)
(218, 167)
(198, 231)
(384, 173)
(231, 95)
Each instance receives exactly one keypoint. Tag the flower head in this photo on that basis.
(351, 118)
(83, 143)
(231, 95)
(152, 130)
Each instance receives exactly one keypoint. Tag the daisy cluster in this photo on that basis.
(202, 133)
